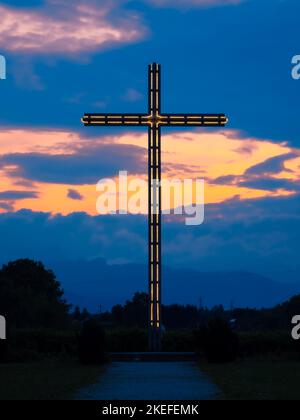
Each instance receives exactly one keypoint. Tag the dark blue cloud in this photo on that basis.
(259, 236)
(18, 195)
(86, 166)
(225, 180)
(271, 166)
(260, 176)
(264, 183)
(270, 184)
(7, 206)
(74, 195)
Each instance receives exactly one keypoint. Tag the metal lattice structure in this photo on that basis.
(154, 120)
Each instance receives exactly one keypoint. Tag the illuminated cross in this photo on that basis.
(154, 120)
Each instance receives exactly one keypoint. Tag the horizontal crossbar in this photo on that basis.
(194, 120)
(116, 119)
(168, 120)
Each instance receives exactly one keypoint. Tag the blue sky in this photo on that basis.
(217, 56)
(235, 58)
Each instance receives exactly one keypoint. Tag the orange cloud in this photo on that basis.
(64, 27)
(194, 154)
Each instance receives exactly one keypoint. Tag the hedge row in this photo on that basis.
(26, 345)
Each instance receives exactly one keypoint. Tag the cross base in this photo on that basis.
(155, 339)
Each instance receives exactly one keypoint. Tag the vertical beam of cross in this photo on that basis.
(154, 120)
(154, 191)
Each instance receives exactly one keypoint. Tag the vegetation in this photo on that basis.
(38, 318)
(31, 297)
(46, 380)
(134, 314)
(27, 345)
(221, 335)
(44, 329)
(256, 380)
(42, 343)
(217, 341)
(42, 324)
(92, 343)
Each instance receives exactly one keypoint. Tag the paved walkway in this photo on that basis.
(151, 381)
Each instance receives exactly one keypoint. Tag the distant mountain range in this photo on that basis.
(94, 283)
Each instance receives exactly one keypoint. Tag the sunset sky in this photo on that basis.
(218, 56)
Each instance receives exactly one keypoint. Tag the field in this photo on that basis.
(47, 380)
(256, 380)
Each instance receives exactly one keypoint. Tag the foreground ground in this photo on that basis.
(262, 380)
(142, 380)
(48, 380)
(249, 380)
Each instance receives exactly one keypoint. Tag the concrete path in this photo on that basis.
(151, 381)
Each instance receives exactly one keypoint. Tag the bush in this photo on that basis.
(31, 345)
(272, 343)
(3, 351)
(122, 340)
(218, 342)
(91, 344)
(178, 341)
(42, 342)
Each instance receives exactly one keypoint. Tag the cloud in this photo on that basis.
(132, 95)
(18, 195)
(86, 166)
(64, 27)
(225, 180)
(9, 198)
(94, 236)
(271, 166)
(266, 183)
(193, 3)
(254, 235)
(266, 176)
(74, 195)
(61, 27)
(271, 184)
(6, 206)
(54, 161)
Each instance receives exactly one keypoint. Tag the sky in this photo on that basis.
(218, 56)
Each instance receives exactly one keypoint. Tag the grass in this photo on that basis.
(47, 380)
(256, 380)
(57, 380)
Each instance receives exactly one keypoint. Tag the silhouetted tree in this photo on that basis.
(76, 315)
(134, 313)
(31, 296)
(79, 315)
